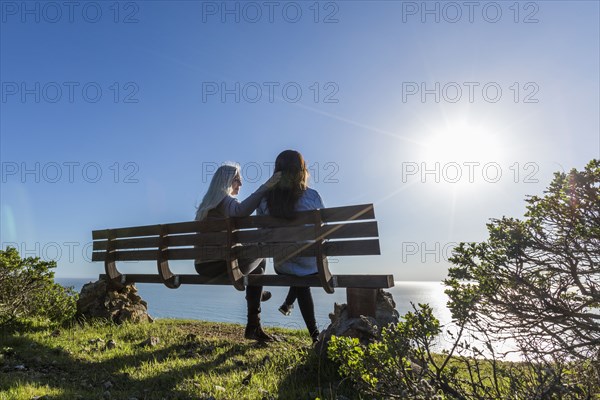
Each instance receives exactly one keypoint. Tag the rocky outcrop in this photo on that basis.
(366, 329)
(97, 300)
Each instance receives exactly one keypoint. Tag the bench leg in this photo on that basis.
(361, 302)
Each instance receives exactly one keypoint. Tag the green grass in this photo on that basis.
(193, 360)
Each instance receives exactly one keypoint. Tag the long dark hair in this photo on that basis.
(282, 199)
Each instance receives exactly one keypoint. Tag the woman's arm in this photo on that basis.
(232, 207)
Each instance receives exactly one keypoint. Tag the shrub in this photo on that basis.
(533, 283)
(28, 290)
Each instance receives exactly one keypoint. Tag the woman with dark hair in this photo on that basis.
(219, 202)
(290, 195)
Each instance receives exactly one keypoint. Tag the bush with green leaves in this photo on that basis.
(397, 366)
(28, 290)
(536, 281)
(533, 285)
(407, 363)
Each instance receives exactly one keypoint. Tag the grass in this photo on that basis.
(192, 360)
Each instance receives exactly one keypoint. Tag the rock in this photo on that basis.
(220, 388)
(152, 341)
(107, 385)
(97, 300)
(111, 344)
(96, 341)
(366, 329)
(106, 395)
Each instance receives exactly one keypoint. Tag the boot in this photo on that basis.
(314, 334)
(254, 331)
(286, 309)
(265, 295)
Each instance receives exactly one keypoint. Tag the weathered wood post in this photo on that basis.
(361, 302)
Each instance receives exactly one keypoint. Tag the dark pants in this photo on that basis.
(291, 297)
(218, 269)
(307, 307)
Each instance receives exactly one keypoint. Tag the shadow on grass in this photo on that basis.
(315, 376)
(16, 326)
(38, 365)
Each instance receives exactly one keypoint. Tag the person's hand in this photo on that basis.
(273, 180)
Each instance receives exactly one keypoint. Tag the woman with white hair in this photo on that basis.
(219, 202)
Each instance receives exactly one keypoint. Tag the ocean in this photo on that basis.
(226, 304)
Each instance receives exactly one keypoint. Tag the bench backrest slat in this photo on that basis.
(348, 213)
(307, 232)
(154, 230)
(331, 249)
(197, 239)
(350, 231)
(340, 248)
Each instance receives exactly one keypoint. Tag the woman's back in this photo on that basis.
(299, 266)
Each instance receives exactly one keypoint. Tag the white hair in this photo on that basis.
(219, 188)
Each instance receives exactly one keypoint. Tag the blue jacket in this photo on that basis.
(298, 266)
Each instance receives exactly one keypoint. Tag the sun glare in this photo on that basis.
(462, 144)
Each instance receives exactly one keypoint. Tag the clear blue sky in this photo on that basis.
(442, 114)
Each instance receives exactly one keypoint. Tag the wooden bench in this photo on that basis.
(333, 232)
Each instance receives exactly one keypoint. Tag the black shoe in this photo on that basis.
(286, 309)
(256, 333)
(315, 336)
(265, 295)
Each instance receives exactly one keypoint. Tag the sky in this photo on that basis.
(442, 114)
